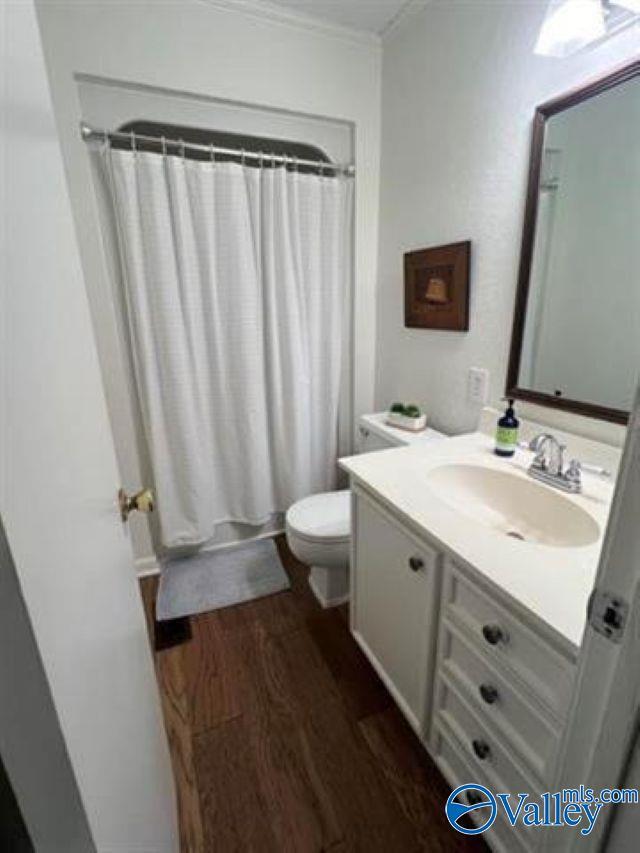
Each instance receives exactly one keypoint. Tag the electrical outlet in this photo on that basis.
(478, 385)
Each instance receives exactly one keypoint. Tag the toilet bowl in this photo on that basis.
(318, 528)
(318, 532)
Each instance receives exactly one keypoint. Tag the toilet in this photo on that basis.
(318, 527)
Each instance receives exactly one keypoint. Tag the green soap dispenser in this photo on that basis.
(507, 433)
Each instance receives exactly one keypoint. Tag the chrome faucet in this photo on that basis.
(549, 454)
(548, 465)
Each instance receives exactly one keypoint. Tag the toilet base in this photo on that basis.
(330, 586)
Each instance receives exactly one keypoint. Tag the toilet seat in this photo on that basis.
(324, 517)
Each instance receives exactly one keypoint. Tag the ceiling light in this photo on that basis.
(570, 25)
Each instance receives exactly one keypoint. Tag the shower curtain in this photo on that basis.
(236, 280)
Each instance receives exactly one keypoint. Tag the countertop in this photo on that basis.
(553, 583)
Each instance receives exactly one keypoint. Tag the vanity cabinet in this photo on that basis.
(485, 685)
(395, 586)
(501, 697)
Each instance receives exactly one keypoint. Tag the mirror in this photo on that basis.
(576, 333)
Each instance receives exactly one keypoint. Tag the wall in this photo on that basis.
(460, 84)
(203, 50)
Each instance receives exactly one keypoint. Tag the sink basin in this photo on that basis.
(514, 506)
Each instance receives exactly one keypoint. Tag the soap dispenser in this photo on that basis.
(507, 432)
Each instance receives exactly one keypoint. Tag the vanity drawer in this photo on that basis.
(503, 706)
(509, 643)
(501, 837)
(484, 751)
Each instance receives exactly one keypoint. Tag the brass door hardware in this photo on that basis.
(141, 501)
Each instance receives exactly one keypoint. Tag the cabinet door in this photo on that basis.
(394, 597)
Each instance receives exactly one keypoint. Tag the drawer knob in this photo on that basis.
(489, 693)
(493, 634)
(481, 749)
(416, 563)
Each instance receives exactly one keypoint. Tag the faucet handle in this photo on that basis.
(574, 471)
(595, 469)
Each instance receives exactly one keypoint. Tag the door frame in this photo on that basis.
(603, 715)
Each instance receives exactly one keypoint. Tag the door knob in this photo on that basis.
(494, 634)
(489, 693)
(481, 749)
(141, 501)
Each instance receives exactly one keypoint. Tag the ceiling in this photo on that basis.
(371, 16)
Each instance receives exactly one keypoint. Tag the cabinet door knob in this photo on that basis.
(416, 563)
(493, 634)
(489, 693)
(481, 749)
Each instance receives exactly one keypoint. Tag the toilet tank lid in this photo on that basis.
(326, 515)
(377, 423)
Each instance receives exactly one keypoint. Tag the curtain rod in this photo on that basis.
(91, 134)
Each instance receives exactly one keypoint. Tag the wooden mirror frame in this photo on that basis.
(544, 112)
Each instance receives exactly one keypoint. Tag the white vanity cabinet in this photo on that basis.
(395, 586)
(484, 684)
(501, 697)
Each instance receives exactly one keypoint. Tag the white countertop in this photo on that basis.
(553, 583)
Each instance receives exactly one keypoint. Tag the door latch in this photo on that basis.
(607, 614)
(142, 502)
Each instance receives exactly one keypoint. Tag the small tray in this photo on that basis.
(395, 419)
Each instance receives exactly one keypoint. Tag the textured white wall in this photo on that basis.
(191, 47)
(460, 84)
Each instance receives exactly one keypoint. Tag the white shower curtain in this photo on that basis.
(236, 281)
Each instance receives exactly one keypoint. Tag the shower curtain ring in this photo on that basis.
(261, 159)
(134, 147)
(242, 158)
(273, 160)
(182, 154)
(163, 143)
(212, 154)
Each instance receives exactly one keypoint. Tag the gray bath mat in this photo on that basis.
(214, 579)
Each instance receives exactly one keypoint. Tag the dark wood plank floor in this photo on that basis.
(284, 739)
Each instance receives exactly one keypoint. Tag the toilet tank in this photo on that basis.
(374, 433)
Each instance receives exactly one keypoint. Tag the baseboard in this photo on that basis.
(146, 567)
(149, 566)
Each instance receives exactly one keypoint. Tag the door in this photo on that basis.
(58, 481)
(601, 729)
(394, 596)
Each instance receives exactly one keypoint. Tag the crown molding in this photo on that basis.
(409, 10)
(275, 14)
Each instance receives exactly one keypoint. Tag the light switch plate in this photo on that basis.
(478, 385)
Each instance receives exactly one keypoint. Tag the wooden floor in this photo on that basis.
(284, 739)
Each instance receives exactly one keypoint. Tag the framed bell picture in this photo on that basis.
(436, 287)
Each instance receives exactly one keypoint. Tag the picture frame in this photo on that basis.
(436, 287)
